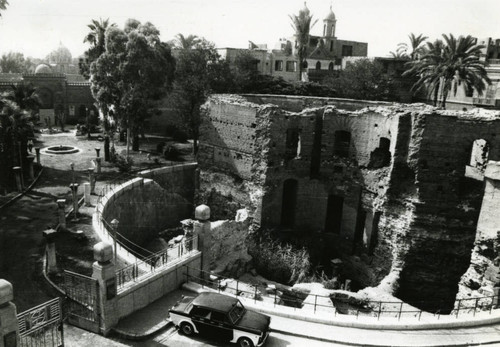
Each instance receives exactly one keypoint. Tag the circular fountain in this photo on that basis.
(61, 149)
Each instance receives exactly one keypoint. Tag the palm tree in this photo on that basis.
(427, 69)
(415, 45)
(462, 66)
(302, 24)
(446, 65)
(97, 35)
(24, 95)
(186, 42)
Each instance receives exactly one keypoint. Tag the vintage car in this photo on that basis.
(220, 316)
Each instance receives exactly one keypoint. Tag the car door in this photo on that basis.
(201, 319)
(221, 326)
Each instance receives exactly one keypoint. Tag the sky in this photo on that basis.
(36, 27)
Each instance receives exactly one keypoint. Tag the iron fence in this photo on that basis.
(148, 266)
(344, 306)
(41, 325)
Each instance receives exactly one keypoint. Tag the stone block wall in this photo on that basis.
(397, 189)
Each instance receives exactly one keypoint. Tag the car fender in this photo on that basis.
(178, 320)
(239, 333)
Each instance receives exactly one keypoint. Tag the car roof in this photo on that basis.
(215, 301)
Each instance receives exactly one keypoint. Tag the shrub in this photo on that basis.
(124, 164)
(280, 262)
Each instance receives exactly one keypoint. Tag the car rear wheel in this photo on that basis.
(187, 329)
(245, 342)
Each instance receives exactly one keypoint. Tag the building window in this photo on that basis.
(291, 66)
(278, 65)
(318, 65)
(331, 46)
(342, 143)
(346, 51)
(330, 66)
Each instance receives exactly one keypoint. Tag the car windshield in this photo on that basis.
(236, 312)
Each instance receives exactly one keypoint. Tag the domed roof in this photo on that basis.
(331, 16)
(43, 68)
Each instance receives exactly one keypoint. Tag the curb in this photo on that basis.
(140, 337)
(24, 191)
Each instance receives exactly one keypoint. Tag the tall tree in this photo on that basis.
(97, 40)
(362, 79)
(15, 62)
(24, 95)
(455, 63)
(132, 74)
(186, 42)
(302, 24)
(413, 50)
(197, 74)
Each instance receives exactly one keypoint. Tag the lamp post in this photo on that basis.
(114, 226)
(72, 166)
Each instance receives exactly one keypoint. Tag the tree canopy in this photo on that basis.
(302, 24)
(362, 79)
(15, 62)
(447, 64)
(132, 74)
(97, 40)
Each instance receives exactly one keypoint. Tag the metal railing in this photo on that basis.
(344, 306)
(156, 262)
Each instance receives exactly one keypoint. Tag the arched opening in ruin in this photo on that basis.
(292, 143)
(289, 202)
(318, 65)
(342, 143)
(381, 156)
(334, 209)
(478, 159)
(330, 66)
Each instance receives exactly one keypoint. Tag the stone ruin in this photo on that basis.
(394, 190)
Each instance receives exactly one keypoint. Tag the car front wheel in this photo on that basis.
(187, 329)
(245, 342)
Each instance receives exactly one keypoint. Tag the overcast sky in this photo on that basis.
(35, 27)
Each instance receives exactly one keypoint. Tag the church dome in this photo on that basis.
(331, 16)
(43, 68)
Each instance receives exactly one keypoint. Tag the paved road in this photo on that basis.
(172, 338)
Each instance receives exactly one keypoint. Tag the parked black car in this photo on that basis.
(222, 316)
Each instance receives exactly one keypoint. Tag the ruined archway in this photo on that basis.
(289, 203)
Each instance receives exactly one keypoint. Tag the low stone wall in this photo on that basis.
(144, 293)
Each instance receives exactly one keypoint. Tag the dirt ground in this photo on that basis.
(22, 222)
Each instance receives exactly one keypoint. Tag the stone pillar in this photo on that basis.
(9, 329)
(86, 193)
(103, 270)
(106, 148)
(31, 171)
(114, 226)
(37, 150)
(97, 150)
(50, 250)
(74, 191)
(91, 180)
(98, 164)
(18, 174)
(61, 206)
(201, 228)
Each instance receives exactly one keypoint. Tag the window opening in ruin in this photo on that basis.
(374, 236)
(381, 156)
(289, 203)
(478, 159)
(316, 148)
(318, 65)
(334, 208)
(342, 143)
(331, 46)
(278, 65)
(330, 66)
(469, 91)
(360, 229)
(292, 143)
